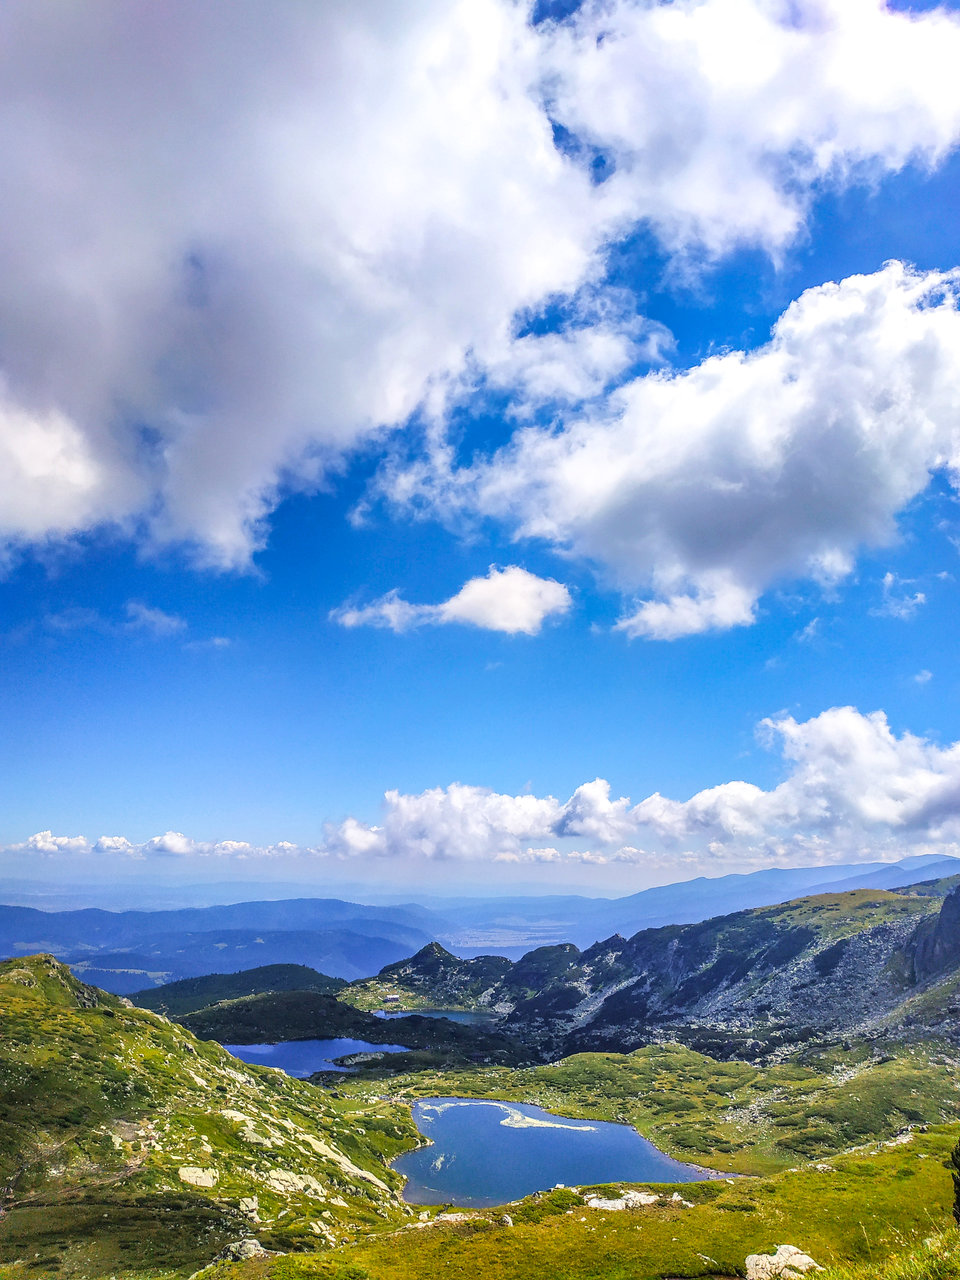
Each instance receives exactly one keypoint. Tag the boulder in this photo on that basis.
(249, 1206)
(199, 1177)
(788, 1261)
(242, 1251)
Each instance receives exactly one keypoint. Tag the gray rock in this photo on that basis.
(242, 1251)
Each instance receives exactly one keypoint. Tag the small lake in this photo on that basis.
(488, 1153)
(301, 1058)
(468, 1019)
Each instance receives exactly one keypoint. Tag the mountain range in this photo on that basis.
(126, 951)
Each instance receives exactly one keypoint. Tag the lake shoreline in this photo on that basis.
(536, 1150)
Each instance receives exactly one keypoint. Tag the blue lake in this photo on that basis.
(487, 1153)
(301, 1058)
(453, 1015)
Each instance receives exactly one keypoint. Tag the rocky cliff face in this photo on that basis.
(936, 948)
(738, 985)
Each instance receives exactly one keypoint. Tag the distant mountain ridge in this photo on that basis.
(128, 951)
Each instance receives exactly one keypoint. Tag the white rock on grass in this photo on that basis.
(287, 1182)
(195, 1177)
(788, 1261)
(629, 1200)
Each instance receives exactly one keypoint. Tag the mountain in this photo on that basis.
(433, 978)
(892, 877)
(128, 1145)
(744, 984)
(512, 926)
(169, 957)
(190, 994)
(92, 928)
(126, 951)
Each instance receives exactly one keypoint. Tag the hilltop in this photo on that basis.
(190, 994)
(125, 1141)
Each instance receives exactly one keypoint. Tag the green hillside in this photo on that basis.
(189, 994)
(127, 1143)
(879, 1213)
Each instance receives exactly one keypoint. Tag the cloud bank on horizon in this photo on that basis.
(363, 240)
(852, 788)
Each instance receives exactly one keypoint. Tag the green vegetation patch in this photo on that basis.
(731, 1116)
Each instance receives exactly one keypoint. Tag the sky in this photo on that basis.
(467, 444)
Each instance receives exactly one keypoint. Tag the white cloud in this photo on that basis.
(719, 114)
(853, 789)
(511, 600)
(172, 843)
(708, 486)
(142, 617)
(923, 677)
(115, 844)
(591, 813)
(448, 822)
(47, 842)
(902, 606)
(212, 296)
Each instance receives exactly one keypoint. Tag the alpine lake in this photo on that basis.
(484, 1153)
(481, 1152)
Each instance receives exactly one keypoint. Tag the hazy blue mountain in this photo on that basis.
(892, 877)
(125, 951)
(510, 926)
(23, 927)
(339, 953)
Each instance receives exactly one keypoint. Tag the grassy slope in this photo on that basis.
(860, 1210)
(102, 1105)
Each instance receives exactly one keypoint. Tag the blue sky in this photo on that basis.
(413, 425)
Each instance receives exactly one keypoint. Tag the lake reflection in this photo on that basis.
(487, 1153)
(464, 1016)
(301, 1058)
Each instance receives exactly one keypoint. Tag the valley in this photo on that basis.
(803, 1056)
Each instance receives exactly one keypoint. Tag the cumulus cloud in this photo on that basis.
(47, 842)
(708, 486)
(511, 600)
(212, 297)
(853, 788)
(114, 844)
(457, 821)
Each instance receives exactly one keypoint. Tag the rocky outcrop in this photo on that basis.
(242, 1251)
